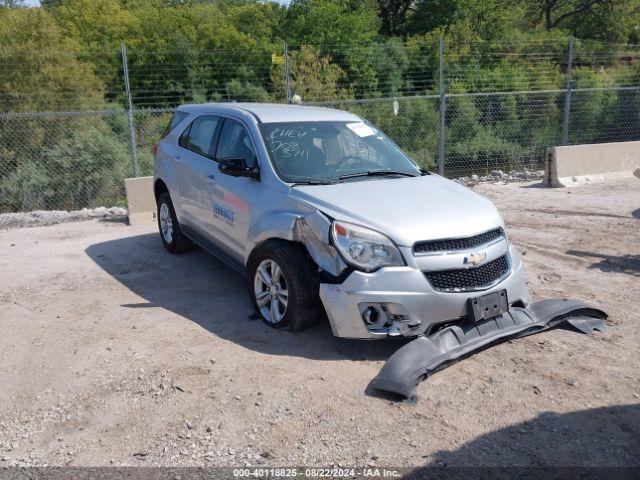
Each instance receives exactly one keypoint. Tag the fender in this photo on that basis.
(163, 170)
(313, 232)
(309, 228)
(278, 224)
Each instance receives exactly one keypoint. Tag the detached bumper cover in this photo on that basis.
(417, 359)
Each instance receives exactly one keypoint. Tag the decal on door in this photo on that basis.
(224, 213)
(236, 202)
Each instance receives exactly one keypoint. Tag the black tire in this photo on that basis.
(176, 242)
(302, 283)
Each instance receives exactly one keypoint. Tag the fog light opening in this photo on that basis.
(371, 316)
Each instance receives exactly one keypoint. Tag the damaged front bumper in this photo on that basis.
(407, 299)
(426, 354)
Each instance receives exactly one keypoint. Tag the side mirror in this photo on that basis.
(237, 167)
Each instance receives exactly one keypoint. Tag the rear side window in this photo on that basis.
(175, 120)
(198, 137)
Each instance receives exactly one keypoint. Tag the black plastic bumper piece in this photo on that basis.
(416, 360)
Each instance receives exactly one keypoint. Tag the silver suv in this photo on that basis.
(325, 213)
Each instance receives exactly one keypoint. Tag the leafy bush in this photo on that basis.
(83, 170)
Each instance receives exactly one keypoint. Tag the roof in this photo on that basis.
(276, 112)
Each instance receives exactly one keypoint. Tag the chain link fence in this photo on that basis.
(459, 109)
(63, 160)
(72, 160)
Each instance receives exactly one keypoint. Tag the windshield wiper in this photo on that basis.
(376, 173)
(313, 182)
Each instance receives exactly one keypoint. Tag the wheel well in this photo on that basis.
(159, 188)
(325, 276)
(272, 242)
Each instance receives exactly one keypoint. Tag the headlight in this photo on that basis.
(363, 248)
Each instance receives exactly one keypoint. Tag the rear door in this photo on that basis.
(196, 172)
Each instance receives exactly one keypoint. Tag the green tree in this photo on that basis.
(97, 26)
(312, 76)
(393, 16)
(331, 22)
(429, 15)
(178, 51)
(390, 63)
(39, 69)
(50, 3)
(609, 20)
(342, 29)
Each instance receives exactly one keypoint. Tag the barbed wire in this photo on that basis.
(66, 139)
(166, 78)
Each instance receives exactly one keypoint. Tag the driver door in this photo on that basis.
(234, 196)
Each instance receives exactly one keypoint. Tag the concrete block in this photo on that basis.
(140, 200)
(572, 165)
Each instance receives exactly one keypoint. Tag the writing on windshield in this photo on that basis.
(330, 150)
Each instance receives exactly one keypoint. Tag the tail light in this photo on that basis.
(155, 149)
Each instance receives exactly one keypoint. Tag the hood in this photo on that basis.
(405, 209)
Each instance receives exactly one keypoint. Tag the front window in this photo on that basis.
(235, 143)
(333, 151)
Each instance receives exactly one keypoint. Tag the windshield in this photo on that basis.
(327, 151)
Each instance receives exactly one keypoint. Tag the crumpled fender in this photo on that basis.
(416, 360)
(313, 232)
(299, 223)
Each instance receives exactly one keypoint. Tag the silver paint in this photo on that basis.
(407, 210)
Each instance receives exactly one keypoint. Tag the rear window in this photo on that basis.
(175, 120)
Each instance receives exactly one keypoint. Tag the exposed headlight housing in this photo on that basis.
(363, 248)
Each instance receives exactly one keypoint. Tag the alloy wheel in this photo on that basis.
(270, 290)
(166, 224)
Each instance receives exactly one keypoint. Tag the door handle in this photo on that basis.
(178, 159)
(212, 178)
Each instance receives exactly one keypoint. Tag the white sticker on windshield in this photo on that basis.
(361, 129)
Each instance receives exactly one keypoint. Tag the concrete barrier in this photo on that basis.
(140, 200)
(579, 164)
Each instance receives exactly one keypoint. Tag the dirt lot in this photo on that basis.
(113, 352)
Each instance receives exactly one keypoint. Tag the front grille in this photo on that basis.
(458, 243)
(469, 278)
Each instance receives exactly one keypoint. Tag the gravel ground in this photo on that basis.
(501, 178)
(114, 352)
(39, 218)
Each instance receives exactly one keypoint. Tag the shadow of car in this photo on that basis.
(203, 290)
(629, 264)
(595, 443)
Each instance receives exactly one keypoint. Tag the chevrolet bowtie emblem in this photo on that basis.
(475, 259)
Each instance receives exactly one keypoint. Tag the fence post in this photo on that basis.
(286, 73)
(132, 133)
(567, 96)
(443, 101)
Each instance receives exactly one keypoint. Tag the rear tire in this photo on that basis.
(172, 237)
(284, 286)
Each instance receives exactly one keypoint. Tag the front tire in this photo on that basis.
(284, 286)
(172, 237)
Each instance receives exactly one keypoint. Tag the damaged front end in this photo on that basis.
(449, 323)
(427, 354)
